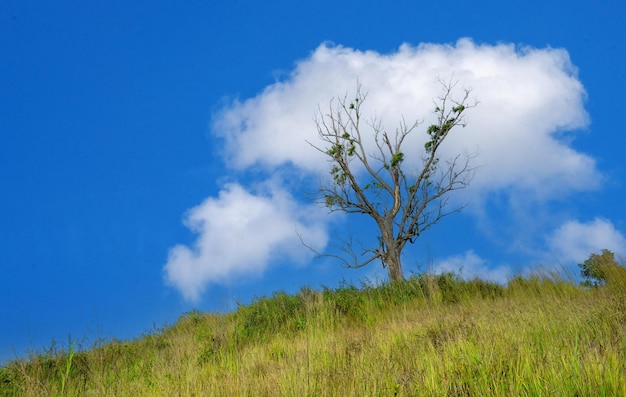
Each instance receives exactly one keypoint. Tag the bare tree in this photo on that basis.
(373, 181)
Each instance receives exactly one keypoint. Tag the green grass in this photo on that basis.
(430, 336)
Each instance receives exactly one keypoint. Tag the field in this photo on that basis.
(428, 336)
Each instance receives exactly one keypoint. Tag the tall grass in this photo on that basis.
(430, 335)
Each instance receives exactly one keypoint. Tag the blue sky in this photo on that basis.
(152, 158)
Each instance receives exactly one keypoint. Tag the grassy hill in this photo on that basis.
(430, 336)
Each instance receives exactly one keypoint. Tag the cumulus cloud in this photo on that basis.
(471, 266)
(239, 233)
(574, 241)
(528, 98)
(530, 102)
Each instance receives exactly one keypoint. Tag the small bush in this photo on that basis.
(486, 289)
(451, 286)
(11, 380)
(346, 300)
(266, 316)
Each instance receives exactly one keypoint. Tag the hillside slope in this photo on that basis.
(431, 336)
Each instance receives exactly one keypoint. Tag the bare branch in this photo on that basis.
(350, 258)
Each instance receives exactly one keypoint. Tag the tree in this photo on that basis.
(602, 269)
(375, 181)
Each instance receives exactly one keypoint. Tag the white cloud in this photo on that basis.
(528, 97)
(574, 241)
(471, 266)
(239, 234)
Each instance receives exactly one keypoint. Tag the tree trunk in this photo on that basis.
(392, 251)
(394, 266)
